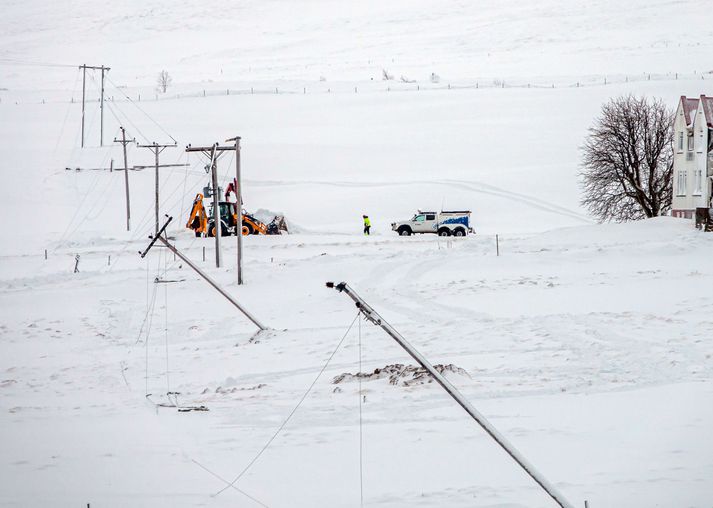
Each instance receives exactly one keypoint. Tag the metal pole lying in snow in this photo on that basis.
(371, 315)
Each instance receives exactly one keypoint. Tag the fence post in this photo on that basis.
(497, 245)
(45, 254)
(204, 253)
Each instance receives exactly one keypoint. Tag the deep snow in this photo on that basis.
(587, 345)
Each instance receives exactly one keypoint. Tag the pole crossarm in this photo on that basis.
(95, 67)
(372, 316)
(207, 149)
(155, 237)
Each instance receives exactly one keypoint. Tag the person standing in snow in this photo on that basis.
(367, 224)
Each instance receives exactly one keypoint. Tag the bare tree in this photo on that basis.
(627, 160)
(163, 81)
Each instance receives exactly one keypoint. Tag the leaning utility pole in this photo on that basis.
(124, 142)
(160, 237)
(101, 104)
(372, 316)
(156, 149)
(213, 152)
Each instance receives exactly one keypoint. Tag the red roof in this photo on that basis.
(689, 107)
(708, 109)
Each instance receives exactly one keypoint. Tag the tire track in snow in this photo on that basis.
(471, 185)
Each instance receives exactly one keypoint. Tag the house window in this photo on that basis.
(680, 141)
(690, 143)
(681, 183)
(698, 182)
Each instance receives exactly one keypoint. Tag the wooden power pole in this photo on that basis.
(156, 149)
(101, 104)
(213, 153)
(239, 205)
(217, 226)
(124, 142)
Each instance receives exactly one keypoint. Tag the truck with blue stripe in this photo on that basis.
(444, 223)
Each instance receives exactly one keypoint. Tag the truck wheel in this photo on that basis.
(404, 231)
(459, 232)
(444, 232)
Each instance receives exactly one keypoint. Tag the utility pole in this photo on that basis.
(101, 112)
(156, 149)
(101, 105)
(217, 226)
(124, 142)
(239, 205)
(213, 152)
(372, 316)
(84, 87)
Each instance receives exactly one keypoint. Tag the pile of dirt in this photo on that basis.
(399, 374)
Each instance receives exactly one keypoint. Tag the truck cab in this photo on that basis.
(424, 222)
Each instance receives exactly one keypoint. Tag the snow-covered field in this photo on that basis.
(588, 346)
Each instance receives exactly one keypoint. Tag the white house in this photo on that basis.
(693, 156)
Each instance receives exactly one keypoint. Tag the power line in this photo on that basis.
(11, 61)
(140, 109)
(294, 410)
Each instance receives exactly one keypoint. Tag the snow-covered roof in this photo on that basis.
(707, 103)
(690, 106)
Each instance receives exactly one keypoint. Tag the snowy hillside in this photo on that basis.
(587, 345)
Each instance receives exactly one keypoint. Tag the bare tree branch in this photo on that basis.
(627, 160)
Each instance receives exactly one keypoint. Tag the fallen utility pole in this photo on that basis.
(159, 236)
(372, 316)
(101, 104)
(124, 142)
(213, 152)
(156, 149)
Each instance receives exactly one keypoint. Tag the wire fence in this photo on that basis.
(125, 94)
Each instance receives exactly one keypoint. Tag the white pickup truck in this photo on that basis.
(456, 223)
